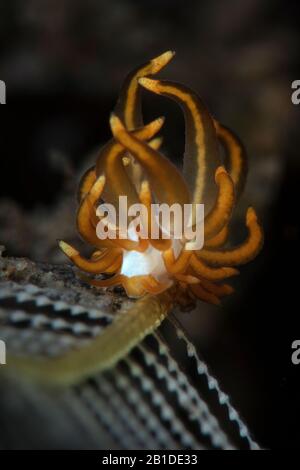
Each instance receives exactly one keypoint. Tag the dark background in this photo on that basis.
(63, 62)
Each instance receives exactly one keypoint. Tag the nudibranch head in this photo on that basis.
(131, 165)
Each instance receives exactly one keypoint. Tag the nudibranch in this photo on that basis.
(160, 272)
(131, 165)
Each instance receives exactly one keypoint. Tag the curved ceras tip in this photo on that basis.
(161, 61)
(67, 249)
(149, 84)
(128, 106)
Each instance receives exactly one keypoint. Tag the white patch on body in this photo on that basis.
(136, 263)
